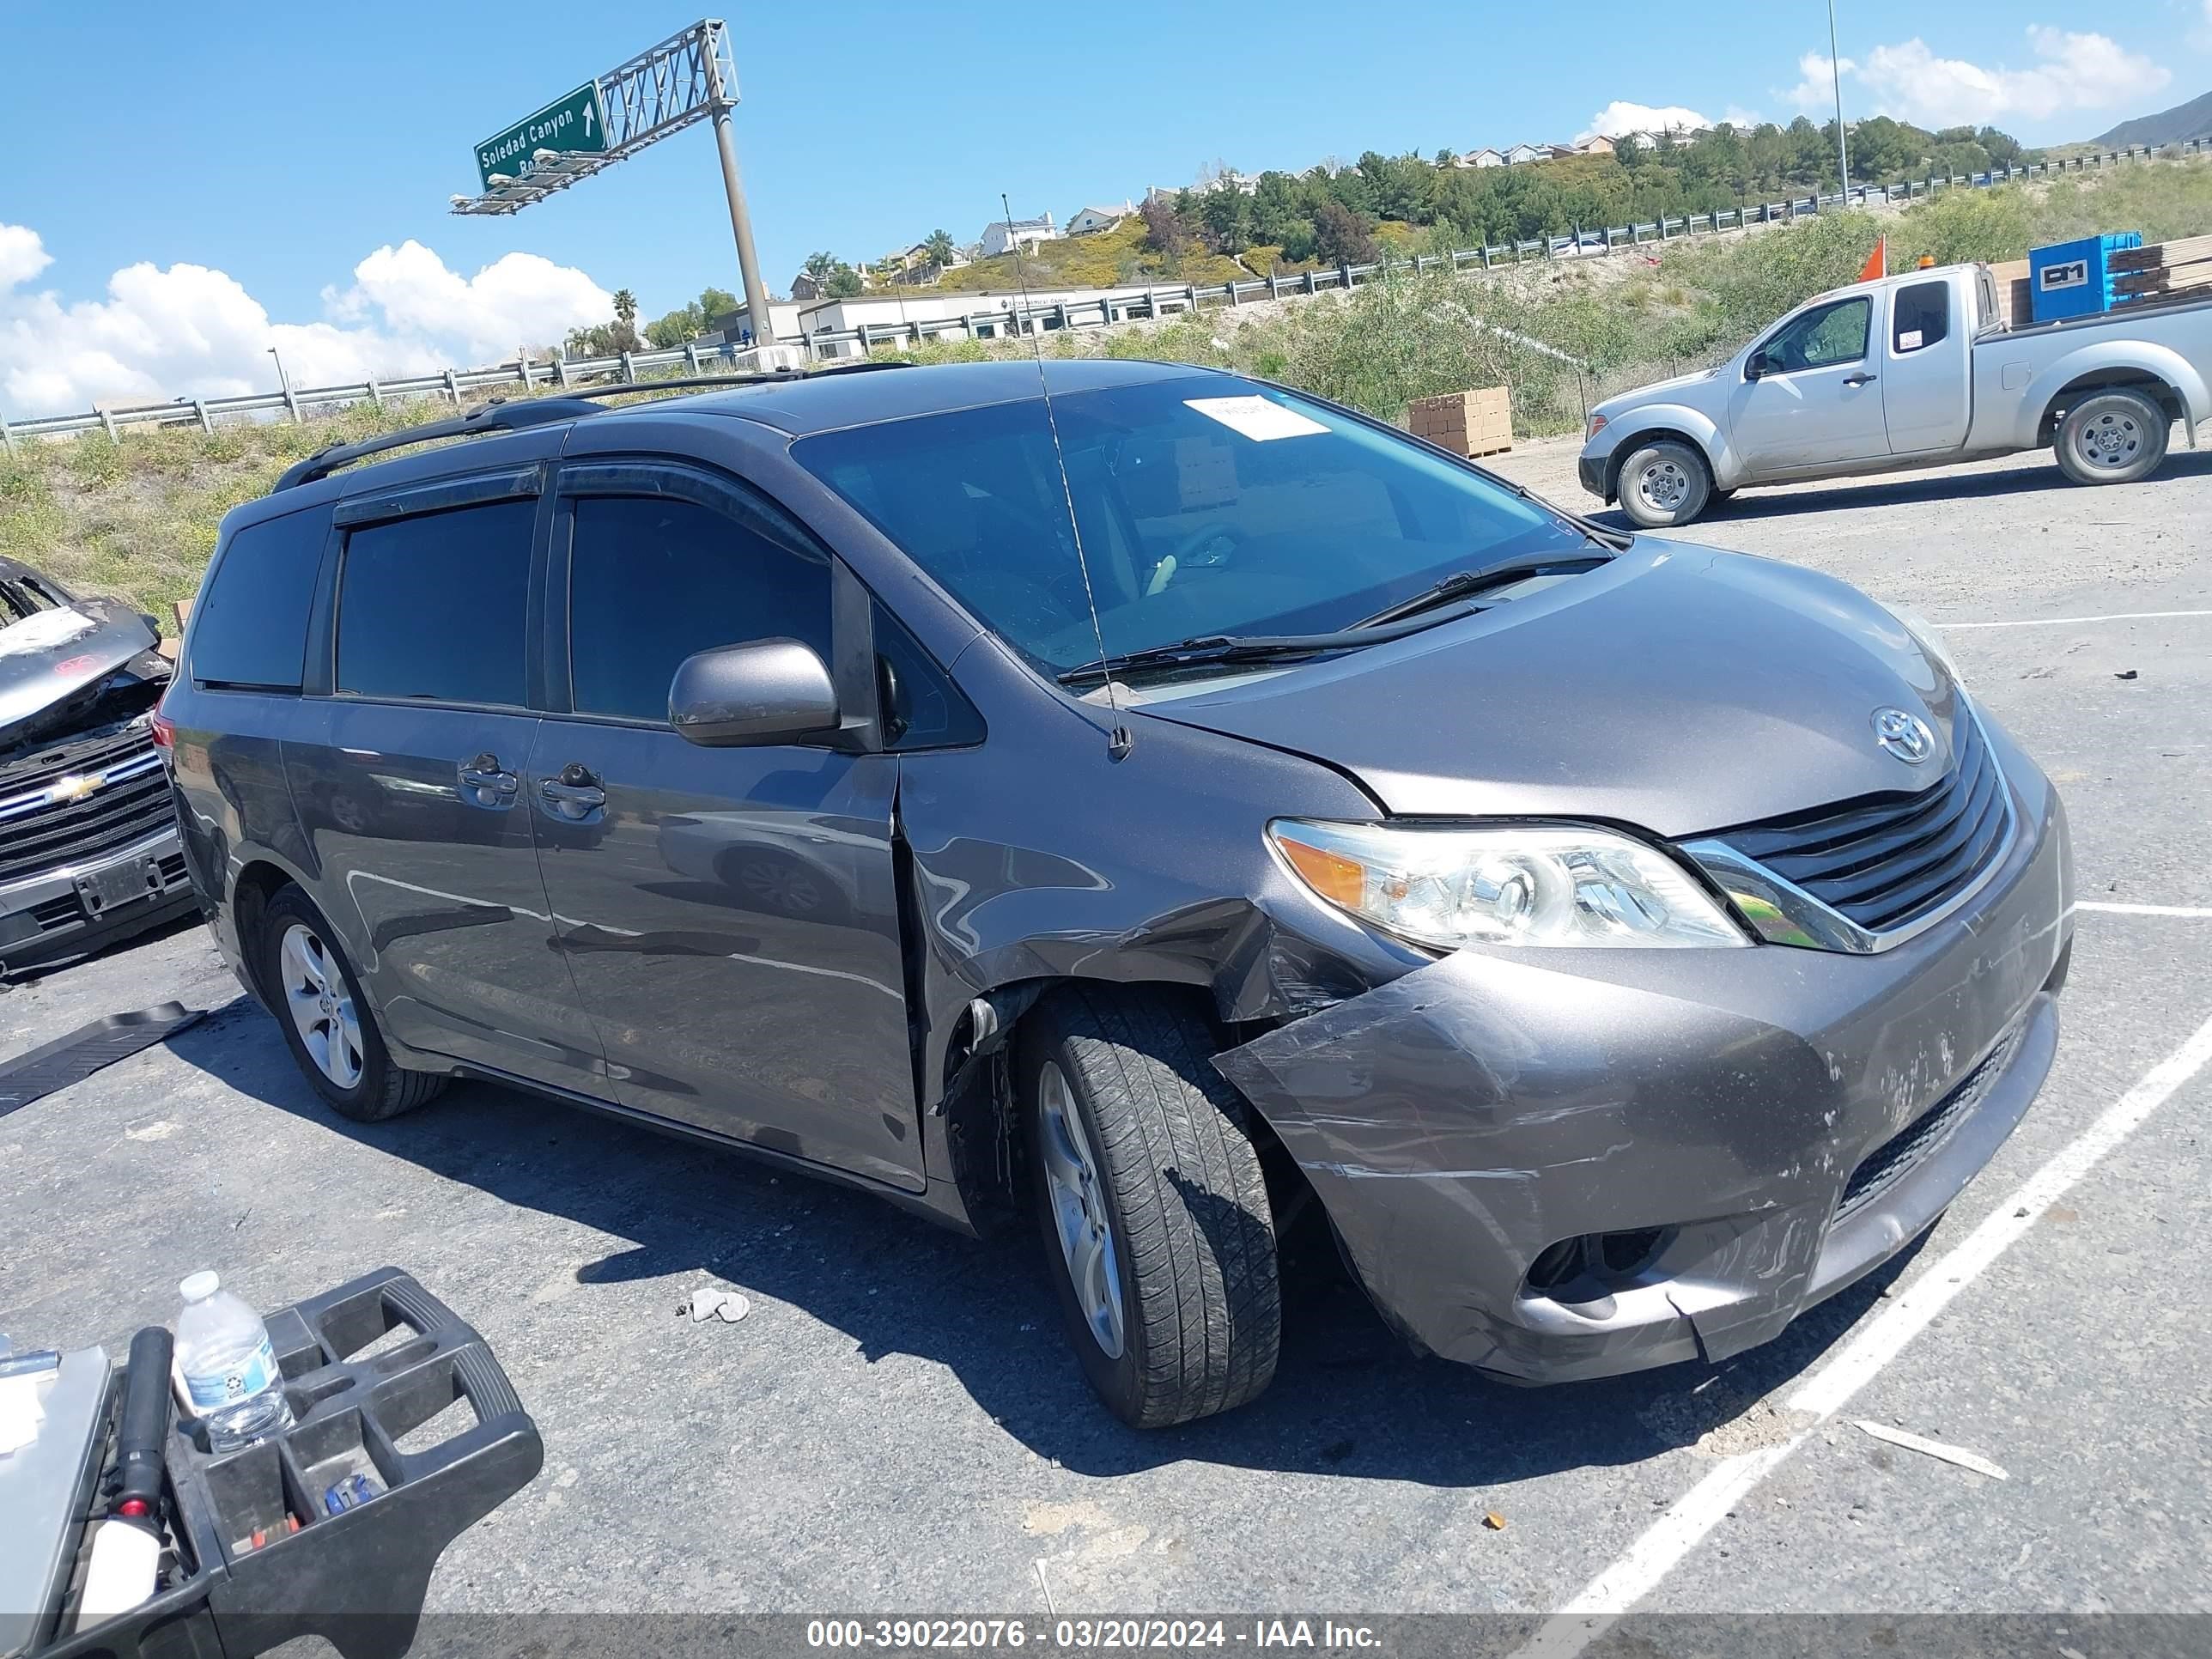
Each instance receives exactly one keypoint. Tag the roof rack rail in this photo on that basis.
(505, 415)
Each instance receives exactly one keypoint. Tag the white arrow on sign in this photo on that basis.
(587, 121)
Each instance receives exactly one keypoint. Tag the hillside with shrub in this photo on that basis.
(137, 518)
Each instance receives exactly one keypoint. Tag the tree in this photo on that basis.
(1165, 232)
(2004, 150)
(716, 302)
(939, 250)
(820, 265)
(1342, 237)
(1278, 209)
(843, 282)
(1446, 157)
(1226, 212)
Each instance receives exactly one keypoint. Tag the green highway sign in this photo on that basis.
(576, 122)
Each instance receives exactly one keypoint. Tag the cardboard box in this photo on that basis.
(1477, 423)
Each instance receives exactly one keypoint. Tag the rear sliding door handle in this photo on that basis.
(485, 782)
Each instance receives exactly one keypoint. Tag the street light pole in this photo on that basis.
(741, 222)
(1835, 73)
(285, 381)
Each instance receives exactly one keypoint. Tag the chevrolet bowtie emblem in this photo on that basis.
(74, 788)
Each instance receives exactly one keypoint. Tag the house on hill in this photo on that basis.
(1486, 157)
(1090, 220)
(1521, 154)
(1004, 235)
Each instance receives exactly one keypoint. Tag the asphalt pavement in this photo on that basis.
(898, 1427)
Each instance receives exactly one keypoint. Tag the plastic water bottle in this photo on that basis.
(228, 1367)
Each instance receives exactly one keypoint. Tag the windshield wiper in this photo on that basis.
(1242, 647)
(1465, 584)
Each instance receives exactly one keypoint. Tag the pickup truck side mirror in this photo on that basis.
(1756, 366)
(771, 691)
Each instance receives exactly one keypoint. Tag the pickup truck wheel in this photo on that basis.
(1157, 1233)
(1664, 484)
(2111, 437)
(327, 1023)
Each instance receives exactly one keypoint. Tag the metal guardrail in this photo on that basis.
(1106, 309)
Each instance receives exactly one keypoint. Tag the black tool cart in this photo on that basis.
(255, 1549)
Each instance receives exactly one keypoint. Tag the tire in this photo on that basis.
(1180, 1316)
(1664, 484)
(2111, 437)
(312, 989)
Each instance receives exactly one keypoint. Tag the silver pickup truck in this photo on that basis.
(1916, 369)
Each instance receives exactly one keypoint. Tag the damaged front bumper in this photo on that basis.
(1561, 1165)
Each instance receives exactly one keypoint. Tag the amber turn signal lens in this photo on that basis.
(1335, 877)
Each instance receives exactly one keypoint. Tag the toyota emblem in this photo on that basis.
(1904, 735)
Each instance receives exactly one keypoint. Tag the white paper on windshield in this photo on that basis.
(42, 630)
(1255, 418)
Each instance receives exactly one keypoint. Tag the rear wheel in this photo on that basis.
(327, 1023)
(1663, 484)
(1158, 1235)
(2111, 437)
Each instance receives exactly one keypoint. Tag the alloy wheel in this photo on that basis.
(1078, 1212)
(321, 1007)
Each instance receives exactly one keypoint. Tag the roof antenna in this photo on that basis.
(1121, 741)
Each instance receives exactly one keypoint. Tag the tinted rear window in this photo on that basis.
(435, 608)
(250, 625)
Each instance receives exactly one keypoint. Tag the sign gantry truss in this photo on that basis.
(686, 79)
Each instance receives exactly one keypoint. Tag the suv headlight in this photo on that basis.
(1537, 885)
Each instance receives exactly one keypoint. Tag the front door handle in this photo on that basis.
(485, 782)
(574, 795)
(1858, 379)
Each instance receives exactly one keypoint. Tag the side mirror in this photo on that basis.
(770, 691)
(1756, 368)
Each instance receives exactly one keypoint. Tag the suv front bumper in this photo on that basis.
(1757, 1128)
(79, 906)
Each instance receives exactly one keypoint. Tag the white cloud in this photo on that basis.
(190, 331)
(1908, 81)
(1619, 117)
(23, 255)
(1815, 90)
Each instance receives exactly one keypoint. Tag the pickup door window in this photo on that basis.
(1924, 385)
(1815, 403)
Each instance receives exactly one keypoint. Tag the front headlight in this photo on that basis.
(1538, 885)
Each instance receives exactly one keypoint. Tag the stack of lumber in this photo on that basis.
(1479, 422)
(2164, 270)
(2015, 297)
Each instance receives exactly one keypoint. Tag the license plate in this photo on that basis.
(119, 884)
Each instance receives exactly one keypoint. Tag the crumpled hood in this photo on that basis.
(53, 661)
(1678, 689)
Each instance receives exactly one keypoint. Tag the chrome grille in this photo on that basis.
(1884, 861)
(131, 802)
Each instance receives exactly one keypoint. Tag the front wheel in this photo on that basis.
(2111, 437)
(1663, 484)
(1158, 1235)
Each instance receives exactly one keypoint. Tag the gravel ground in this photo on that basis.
(897, 1427)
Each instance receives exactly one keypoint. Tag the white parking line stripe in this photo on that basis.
(1698, 1511)
(2195, 912)
(2070, 621)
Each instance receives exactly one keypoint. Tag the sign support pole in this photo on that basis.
(741, 222)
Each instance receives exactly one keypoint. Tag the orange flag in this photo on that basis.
(1877, 262)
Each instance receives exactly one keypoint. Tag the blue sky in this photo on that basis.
(295, 142)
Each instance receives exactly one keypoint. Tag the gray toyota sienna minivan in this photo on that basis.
(1147, 808)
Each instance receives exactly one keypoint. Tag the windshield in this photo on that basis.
(1207, 505)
